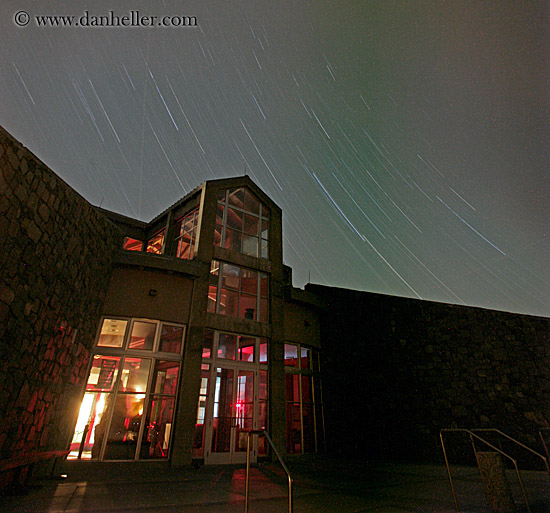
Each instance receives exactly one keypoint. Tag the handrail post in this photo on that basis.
(246, 486)
(246, 483)
(449, 471)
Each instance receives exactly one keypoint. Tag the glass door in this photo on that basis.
(232, 412)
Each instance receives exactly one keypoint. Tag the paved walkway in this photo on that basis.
(321, 485)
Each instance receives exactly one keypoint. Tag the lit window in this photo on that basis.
(156, 243)
(186, 228)
(304, 405)
(132, 244)
(242, 223)
(128, 408)
(238, 292)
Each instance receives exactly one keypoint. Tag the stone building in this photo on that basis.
(168, 340)
(162, 340)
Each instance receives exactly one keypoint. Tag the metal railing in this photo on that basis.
(543, 440)
(473, 437)
(517, 442)
(248, 446)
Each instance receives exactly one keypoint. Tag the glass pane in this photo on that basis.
(291, 355)
(251, 224)
(264, 249)
(227, 345)
(249, 245)
(263, 350)
(265, 229)
(249, 281)
(234, 219)
(265, 211)
(88, 433)
(293, 428)
(208, 344)
(262, 392)
(309, 428)
(165, 380)
(103, 373)
(143, 336)
(218, 234)
(221, 196)
(244, 408)
(112, 333)
(306, 389)
(124, 430)
(222, 411)
(230, 276)
(247, 347)
(232, 240)
(135, 375)
(229, 303)
(201, 411)
(292, 387)
(247, 307)
(132, 244)
(305, 357)
(236, 197)
(155, 244)
(171, 338)
(251, 202)
(262, 424)
(158, 427)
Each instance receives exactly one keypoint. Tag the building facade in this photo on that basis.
(201, 339)
(169, 340)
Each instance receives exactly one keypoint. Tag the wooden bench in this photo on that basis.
(28, 462)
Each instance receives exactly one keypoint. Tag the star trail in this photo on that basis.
(406, 143)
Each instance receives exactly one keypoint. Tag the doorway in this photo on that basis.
(232, 412)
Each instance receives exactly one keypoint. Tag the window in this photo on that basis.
(233, 367)
(186, 228)
(304, 406)
(242, 223)
(156, 243)
(130, 244)
(128, 408)
(238, 292)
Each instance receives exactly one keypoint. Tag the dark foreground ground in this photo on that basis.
(321, 484)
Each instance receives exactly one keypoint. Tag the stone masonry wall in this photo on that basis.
(399, 370)
(55, 264)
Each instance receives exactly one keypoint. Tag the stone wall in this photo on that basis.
(55, 264)
(398, 370)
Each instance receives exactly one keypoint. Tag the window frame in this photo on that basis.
(262, 216)
(258, 313)
(316, 403)
(153, 356)
(180, 222)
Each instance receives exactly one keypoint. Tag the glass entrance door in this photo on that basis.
(232, 412)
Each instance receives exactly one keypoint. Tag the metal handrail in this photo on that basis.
(517, 442)
(542, 439)
(248, 439)
(472, 436)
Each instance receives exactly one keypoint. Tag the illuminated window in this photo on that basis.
(233, 367)
(156, 243)
(132, 244)
(242, 223)
(304, 405)
(128, 408)
(238, 292)
(186, 228)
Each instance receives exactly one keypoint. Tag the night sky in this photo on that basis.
(406, 142)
